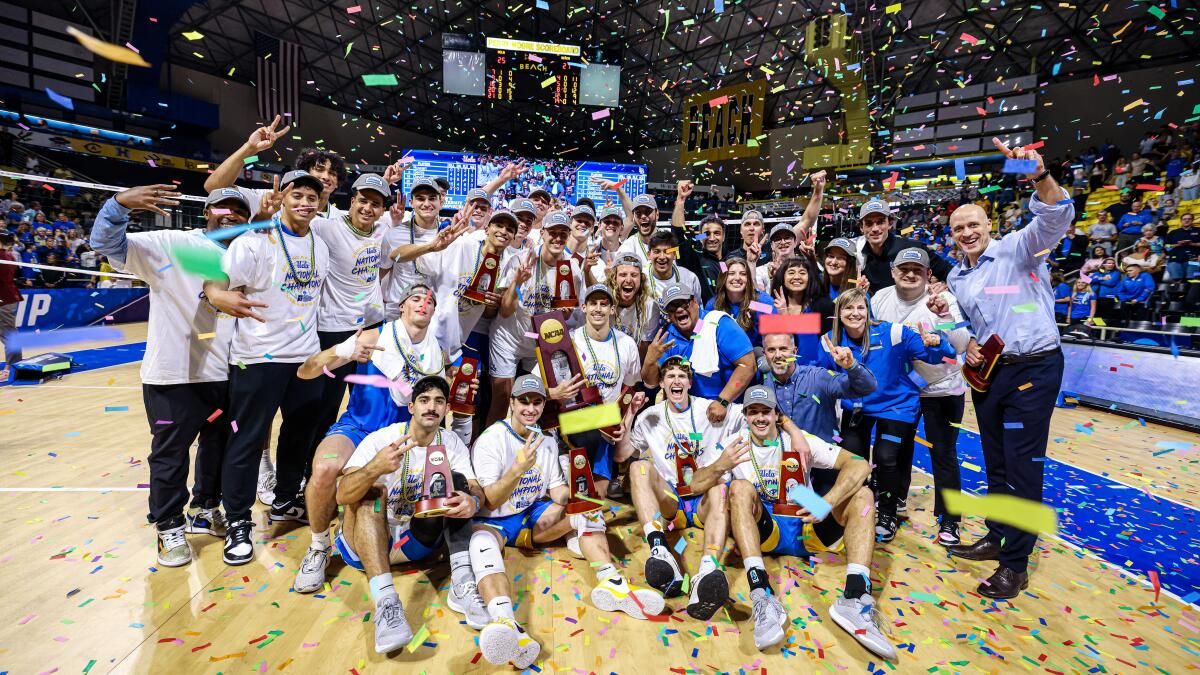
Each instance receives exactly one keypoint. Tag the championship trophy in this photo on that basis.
(581, 485)
(462, 397)
(437, 484)
(558, 360)
(624, 401)
(484, 281)
(791, 474)
(565, 295)
(685, 467)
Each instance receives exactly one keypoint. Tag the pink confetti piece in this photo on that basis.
(761, 307)
(152, 164)
(970, 39)
(326, 371)
(233, 424)
(1000, 290)
(353, 9)
(532, 336)
(718, 101)
(27, 619)
(600, 114)
(535, 58)
(219, 212)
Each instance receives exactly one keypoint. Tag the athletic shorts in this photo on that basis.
(792, 536)
(517, 529)
(409, 550)
(350, 431)
(508, 351)
(688, 514)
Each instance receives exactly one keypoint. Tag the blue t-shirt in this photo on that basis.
(1131, 223)
(736, 310)
(732, 344)
(1081, 305)
(1061, 291)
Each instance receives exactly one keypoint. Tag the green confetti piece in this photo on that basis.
(376, 506)
(202, 262)
(250, 160)
(924, 597)
(1025, 309)
(418, 639)
(1193, 321)
(380, 80)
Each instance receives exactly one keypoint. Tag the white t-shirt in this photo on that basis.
(255, 196)
(608, 364)
(496, 450)
(256, 262)
(652, 435)
(681, 275)
(401, 359)
(405, 274)
(640, 323)
(767, 457)
(352, 297)
(942, 379)
(536, 297)
(405, 488)
(179, 313)
(450, 272)
(633, 244)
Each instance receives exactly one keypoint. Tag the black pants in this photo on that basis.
(890, 435)
(178, 413)
(333, 389)
(940, 412)
(255, 393)
(1014, 426)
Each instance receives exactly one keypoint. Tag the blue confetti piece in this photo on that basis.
(60, 99)
(1014, 425)
(1019, 166)
(680, 545)
(960, 169)
(889, 437)
(718, 6)
(811, 501)
(231, 232)
(541, 4)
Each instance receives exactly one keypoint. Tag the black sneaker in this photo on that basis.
(709, 594)
(239, 550)
(948, 534)
(663, 573)
(885, 527)
(292, 509)
(902, 508)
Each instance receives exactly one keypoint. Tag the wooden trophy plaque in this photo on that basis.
(462, 397)
(791, 474)
(685, 467)
(581, 483)
(437, 485)
(485, 278)
(558, 360)
(566, 296)
(980, 377)
(624, 401)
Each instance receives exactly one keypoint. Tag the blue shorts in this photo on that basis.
(602, 460)
(350, 431)
(517, 529)
(793, 536)
(687, 515)
(411, 550)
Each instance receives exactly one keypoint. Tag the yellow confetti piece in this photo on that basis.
(972, 467)
(922, 441)
(1027, 385)
(1023, 514)
(1098, 321)
(206, 336)
(193, 35)
(548, 81)
(107, 49)
(893, 9)
(592, 417)
(1133, 105)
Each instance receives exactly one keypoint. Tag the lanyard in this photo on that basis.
(762, 483)
(312, 253)
(587, 341)
(691, 416)
(437, 440)
(408, 361)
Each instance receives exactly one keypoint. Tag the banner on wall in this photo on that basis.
(95, 148)
(50, 308)
(724, 123)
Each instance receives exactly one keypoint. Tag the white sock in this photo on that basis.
(855, 568)
(382, 588)
(606, 572)
(460, 567)
(649, 527)
(707, 564)
(754, 561)
(320, 540)
(500, 607)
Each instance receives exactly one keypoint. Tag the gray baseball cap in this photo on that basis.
(426, 183)
(761, 395)
(556, 219)
(874, 206)
(542, 191)
(782, 228)
(912, 255)
(627, 258)
(584, 210)
(374, 182)
(300, 177)
(645, 200)
(503, 214)
(419, 288)
(842, 243)
(523, 205)
(220, 195)
(614, 211)
(599, 288)
(478, 193)
(528, 384)
(673, 293)
(752, 215)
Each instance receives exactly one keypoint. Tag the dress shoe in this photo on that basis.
(1005, 584)
(984, 549)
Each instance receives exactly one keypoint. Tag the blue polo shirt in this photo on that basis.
(732, 344)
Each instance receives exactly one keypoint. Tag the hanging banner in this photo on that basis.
(724, 123)
(82, 146)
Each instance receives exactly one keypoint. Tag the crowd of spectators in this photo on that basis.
(55, 238)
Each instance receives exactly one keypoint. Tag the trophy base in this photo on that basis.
(607, 432)
(430, 508)
(465, 409)
(565, 304)
(589, 395)
(474, 296)
(684, 491)
(578, 506)
(788, 510)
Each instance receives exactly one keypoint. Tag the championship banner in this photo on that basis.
(98, 149)
(724, 123)
(50, 308)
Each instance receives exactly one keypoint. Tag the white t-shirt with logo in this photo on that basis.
(403, 274)
(640, 323)
(188, 339)
(450, 272)
(352, 297)
(680, 275)
(258, 263)
(405, 488)
(610, 364)
(401, 359)
(652, 436)
(496, 450)
(823, 456)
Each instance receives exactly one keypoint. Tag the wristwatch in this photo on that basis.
(724, 403)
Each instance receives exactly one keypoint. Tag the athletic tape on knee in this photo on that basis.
(588, 523)
(486, 556)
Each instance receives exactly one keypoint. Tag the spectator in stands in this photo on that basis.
(1129, 227)
(1103, 232)
(1093, 263)
(1135, 291)
(1121, 207)
(88, 259)
(1174, 165)
(1106, 283)
(1062, 295)
(10, 299)
(1121, 173)
(1146, 145)
(1070, 252)
(1097, 175)
(15, 214)
(1189, 185)
(1139, 166)
(62, 222)
(1151, 238)
(52, 278)
(1183, 250)
(1168, 209)
(32, 212)
(24, 234)
(1081, 306)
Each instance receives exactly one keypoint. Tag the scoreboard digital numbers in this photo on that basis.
(634, 176)
(460, 169)
(524, 70)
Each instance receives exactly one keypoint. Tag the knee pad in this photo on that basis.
(487, 557)
(589, 523)
(765, 525)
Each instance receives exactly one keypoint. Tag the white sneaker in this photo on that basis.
(464, 598)
(391, 626)
(769, 619)
(616, 594)
(861, 619)
(662, 572)
(207, 521)
(173, 548)
(266, 480)
(709, 593)
(311, 575)
(503, 640)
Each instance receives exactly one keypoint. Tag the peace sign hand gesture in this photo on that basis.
(447, 236)
(659, 346)
(524, 271)
(263, 138)
(527, 453)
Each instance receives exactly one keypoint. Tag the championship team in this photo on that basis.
(417, 316)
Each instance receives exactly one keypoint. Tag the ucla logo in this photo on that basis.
(529, 488)
(301, 292)
(366, 264)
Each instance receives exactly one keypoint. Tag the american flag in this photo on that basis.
(278, 64)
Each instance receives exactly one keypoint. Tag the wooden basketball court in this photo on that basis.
(82, 592)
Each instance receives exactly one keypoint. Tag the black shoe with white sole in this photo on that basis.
(239, 549)
(948, 534)
(291, 509)
(709, 594)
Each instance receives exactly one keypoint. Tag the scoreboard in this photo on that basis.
(524, 70)
(459, 168)
(633, 174)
